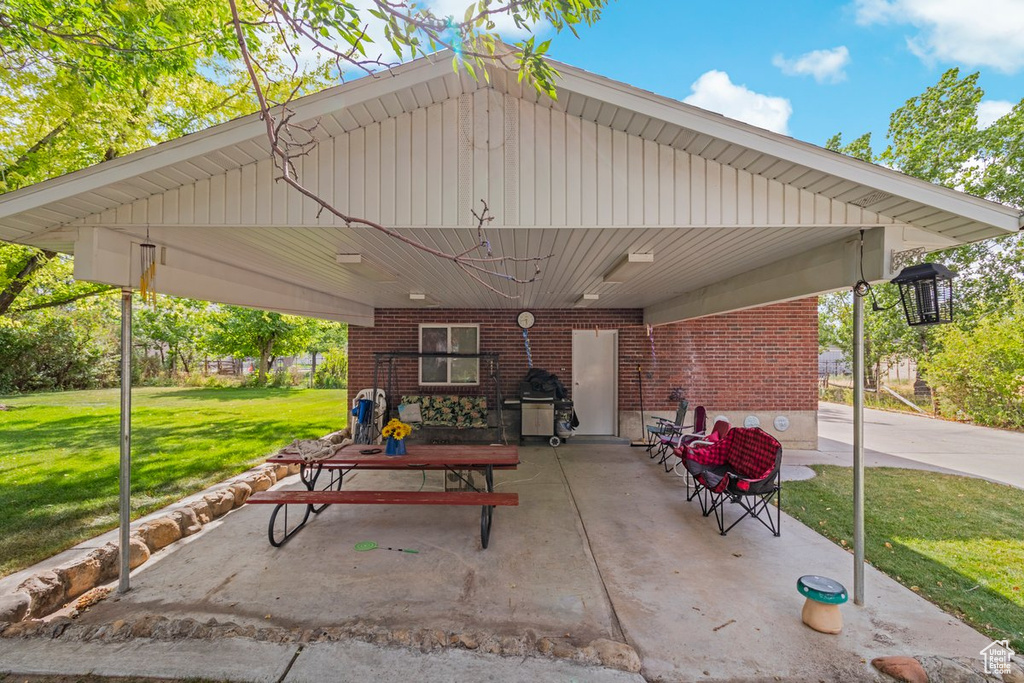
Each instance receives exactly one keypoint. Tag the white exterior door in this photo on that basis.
(595, 380)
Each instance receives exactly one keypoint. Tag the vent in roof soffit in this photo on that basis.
(872, 198)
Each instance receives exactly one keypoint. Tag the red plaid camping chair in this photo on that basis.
(743, 468)
(720, 429)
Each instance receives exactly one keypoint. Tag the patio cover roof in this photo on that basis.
(735, 216)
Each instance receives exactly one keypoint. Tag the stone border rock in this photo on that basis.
(932, 669)
(599, 652)
(45, 592)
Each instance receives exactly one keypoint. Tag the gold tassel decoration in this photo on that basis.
(148, 279)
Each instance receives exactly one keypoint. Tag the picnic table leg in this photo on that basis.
(310, 474)
(487, 511)
(285, 534)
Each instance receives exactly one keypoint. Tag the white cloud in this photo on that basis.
(826, 66)
(716, 92)
(504, 25)
(873, 11)
(980, 33)
(989, 111)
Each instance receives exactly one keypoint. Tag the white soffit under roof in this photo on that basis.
(295, 247)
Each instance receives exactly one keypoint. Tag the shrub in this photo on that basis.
(280, 378)
(332, 371)
(252, 380)
(979, 373)
(52, 353)
(198, 379)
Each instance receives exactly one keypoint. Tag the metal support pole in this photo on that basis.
(124, 476)
(858, 449)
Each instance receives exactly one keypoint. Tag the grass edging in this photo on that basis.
(956, 541)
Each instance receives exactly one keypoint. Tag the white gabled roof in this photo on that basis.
(609, 167)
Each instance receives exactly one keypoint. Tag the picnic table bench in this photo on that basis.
(451, 458)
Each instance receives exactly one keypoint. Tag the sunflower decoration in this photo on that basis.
(396, 429)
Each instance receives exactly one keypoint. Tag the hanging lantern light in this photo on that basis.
(926, 291)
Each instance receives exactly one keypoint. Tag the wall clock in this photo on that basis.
(526, 320)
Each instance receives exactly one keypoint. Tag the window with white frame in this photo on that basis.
(449, 339)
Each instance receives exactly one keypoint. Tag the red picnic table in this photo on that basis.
(455, 458)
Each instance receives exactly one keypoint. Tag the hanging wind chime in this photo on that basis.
(147, 251)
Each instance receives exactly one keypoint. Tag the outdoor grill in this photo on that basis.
(541, 413)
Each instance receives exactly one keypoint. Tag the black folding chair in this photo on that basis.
(669, 443)
(663, 427)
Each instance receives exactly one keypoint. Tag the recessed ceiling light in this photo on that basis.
(358, 265)
(630, 265)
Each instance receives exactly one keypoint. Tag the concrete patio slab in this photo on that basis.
(232, 659)
(699, 605)
(538, 572)
(261, 662)
(364, 662)
(602, 545)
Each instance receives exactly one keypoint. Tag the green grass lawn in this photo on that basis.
(59, 454)
(957, 541)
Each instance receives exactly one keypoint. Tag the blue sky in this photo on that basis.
(834, 66)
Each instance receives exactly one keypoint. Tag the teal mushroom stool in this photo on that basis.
(821, 609)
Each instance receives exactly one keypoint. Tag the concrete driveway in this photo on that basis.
(602, 546)
(904, 440)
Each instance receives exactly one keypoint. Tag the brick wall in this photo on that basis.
(758, 359)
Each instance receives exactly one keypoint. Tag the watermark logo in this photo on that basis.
(997, 657)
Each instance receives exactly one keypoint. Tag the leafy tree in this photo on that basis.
(175, 326)
(935, 136)
(325, 336)
(887, 337)
(979, 372)
(89, 81)
(33, 279)
(333, 372)
(71, 347)
(859, 148)
(241, 332)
